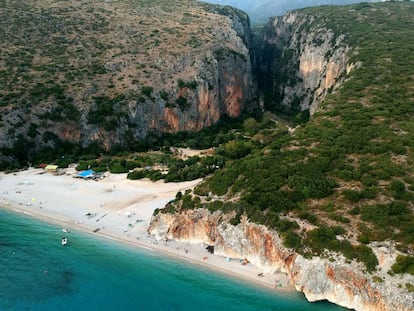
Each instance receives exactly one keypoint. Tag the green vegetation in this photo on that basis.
(190, 84)
(99, 68)
(404, 264)
(107, 112)
(325, 238)
(176, 169)
(340, 180)
(147, 90)
(182, 103)
(349, 170)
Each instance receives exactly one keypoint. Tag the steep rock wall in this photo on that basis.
(307, 61)
(145, 69)
(224, 87)
(333, 279)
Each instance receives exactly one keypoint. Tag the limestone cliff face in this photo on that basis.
(217, 82)
(223, 86)
(128, 70)
(307, 60)
(333, 279)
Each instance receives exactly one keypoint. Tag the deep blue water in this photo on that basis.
(37, 273)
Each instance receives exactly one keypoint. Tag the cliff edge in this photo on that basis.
(305, 60)
(112, 73)
(330, 277)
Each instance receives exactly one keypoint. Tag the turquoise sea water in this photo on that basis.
(37, 273)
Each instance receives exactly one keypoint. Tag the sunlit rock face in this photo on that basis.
(146, 70)
(307, 61)
(343, 283)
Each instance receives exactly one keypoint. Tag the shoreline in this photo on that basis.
(117, 209)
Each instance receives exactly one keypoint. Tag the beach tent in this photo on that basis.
(51, 168)
(86, 174)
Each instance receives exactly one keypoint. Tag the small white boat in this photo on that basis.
(64, 241)
(65, 230)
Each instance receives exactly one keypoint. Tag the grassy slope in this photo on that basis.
(349, 171)
(115, 47)
(89, 62)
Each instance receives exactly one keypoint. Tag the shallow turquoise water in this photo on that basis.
(37, 273)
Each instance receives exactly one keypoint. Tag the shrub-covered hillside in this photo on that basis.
(345, 178)
(100, 73)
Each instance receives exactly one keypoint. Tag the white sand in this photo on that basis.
(116, 208)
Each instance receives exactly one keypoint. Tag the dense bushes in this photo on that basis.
(177, 169)
(358, 142)
(292, 240)
(384, 215)
(189, 84)
(356, 150)
(107, 112)
(118, 168)
(325, 238)
(237, 149)
(153, 175)
(147, 90)
(182, 102)
(403, 264)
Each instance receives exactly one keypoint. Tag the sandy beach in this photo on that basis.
(118, 209)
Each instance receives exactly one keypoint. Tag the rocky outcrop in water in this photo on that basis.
(331, 278)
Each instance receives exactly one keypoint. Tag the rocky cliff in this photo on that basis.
(330, 278)
(304, 59)
(111, 73)
(329, 179)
